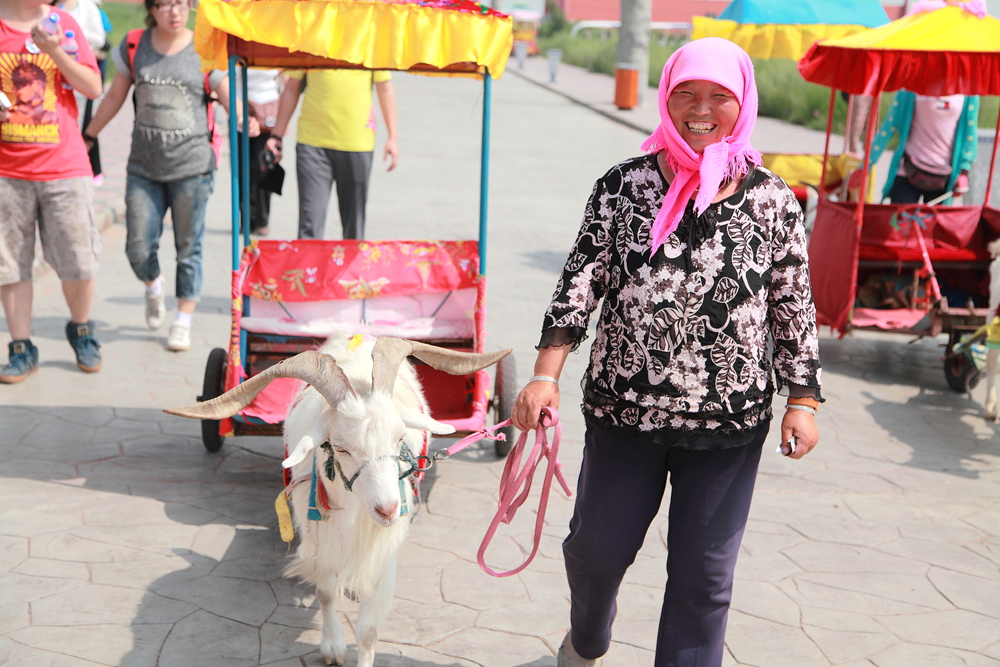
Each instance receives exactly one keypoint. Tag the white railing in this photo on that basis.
(655, 26)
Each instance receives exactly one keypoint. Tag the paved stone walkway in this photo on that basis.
(122, 542)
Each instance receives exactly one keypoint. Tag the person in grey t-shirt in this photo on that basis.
(172, 163)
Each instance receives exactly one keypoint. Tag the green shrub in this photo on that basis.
(784, 94)
(988, 111)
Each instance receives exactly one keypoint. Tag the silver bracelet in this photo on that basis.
(542, 378)
(803, 408)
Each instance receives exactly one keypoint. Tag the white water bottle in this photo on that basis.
(50, 24)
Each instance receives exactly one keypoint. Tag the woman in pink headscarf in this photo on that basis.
(699, 256)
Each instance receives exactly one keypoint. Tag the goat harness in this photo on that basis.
(515, 482)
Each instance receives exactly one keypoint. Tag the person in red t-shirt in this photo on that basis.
(45, 178)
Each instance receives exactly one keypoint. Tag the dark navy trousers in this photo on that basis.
(621, 485)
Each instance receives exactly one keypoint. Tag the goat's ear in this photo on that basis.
(304, 447)
(414, 419)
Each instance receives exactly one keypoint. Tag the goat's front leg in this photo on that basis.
(991, 388)
(333, 647)
(372, 613)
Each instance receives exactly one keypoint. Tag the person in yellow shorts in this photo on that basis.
(335, 142)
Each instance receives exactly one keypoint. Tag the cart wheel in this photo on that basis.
(961, 374)
(215, 376)
(505, 393)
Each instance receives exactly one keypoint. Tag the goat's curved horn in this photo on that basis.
(315, 368)
(389, 353)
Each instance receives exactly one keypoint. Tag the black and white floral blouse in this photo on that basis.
(682, 340)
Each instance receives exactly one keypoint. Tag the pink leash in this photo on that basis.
(515, 483)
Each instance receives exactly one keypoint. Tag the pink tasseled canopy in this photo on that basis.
(719, 61)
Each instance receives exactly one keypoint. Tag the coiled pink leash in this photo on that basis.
(515, 484)
(515, 478)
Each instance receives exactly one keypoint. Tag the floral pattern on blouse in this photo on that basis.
(682, 338)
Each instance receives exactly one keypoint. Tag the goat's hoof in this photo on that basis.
(333, 654)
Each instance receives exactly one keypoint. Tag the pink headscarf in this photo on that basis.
(719, 61)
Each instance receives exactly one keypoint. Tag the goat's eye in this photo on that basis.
(341, 450)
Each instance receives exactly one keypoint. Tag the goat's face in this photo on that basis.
(366, 436)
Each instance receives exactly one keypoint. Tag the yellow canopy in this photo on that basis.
(766, 40)
(449, 35)
(947, 29)
(940, 52)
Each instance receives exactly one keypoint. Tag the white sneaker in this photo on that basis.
(156, 310)
(179, 339)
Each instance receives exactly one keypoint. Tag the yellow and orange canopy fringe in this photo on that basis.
(435, 36)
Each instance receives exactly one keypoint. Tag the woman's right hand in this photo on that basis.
(528, 406)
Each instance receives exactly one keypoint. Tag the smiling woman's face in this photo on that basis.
(703, 112)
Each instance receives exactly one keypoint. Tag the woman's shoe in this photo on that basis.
(567, 656)
(179, 339)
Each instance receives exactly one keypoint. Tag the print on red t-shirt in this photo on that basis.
(41, 140)
(33, 118)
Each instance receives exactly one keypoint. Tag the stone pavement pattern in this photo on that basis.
(123, 543)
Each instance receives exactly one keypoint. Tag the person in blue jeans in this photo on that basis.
(172, 163)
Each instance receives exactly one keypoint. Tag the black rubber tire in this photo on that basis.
(961, 374)
(215, 377)
(505, 393)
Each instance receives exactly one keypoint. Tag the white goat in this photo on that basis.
(992, 354)
(363, 406)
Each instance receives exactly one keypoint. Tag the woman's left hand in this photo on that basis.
(802, 425)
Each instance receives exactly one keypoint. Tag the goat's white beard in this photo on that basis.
(363, 571)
